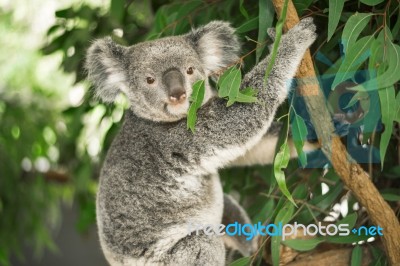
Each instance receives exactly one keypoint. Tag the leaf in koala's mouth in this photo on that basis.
(196, 100)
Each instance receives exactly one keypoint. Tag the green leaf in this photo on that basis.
(187, 8)
(335, 10)
(299, 131)
(391, 196)
(243, 10)
(265, 212)
(247, 95)
(160, 21)
(396, 27)
(65, 13)
(353, 59)
(300, 192)
(117, 10)
(278, 35)
(388, 102)
(303, 244)
(244, 98)
(397, 109)
(196, 99)
(184, 11)
(391, 74)
(378, 257)
(358, 96)
(350, 219)
(322, 202)
(301, 5)
(249, 25)
(284, 215)
(266, 17)
(371, 2)
(241, 262)
(229, 83)
(349, 239)
(354, 26)
(356, 256)
(249, 91)
(282, 161)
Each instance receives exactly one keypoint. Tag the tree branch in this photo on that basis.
(352, 175)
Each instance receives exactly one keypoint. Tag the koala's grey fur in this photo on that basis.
(158, 176)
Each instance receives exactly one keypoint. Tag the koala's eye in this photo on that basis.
(189, 71)
(150, 80)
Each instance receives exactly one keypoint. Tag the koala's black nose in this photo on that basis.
(174, 82)
(177, 97)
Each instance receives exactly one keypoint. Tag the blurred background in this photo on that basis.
(54, 135)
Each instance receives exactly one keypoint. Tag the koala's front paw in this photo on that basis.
(303, 34)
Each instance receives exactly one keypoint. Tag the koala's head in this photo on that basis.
(157, 76)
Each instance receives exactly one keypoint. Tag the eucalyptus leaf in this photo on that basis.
(391, 74)
(265, 212)
(243, 10)
(301, 5)
(117, 10)
(184, 11)
(229, 87)
(358, 96)
(371, 2)
(354, 26)
(335, 11)
(397, 109)
(303, 244)
(278, 35)
(244, 98)
(241, 262)
(281, 161)
(387, 100)
(356, 256)
(65, 13)
(284, 215)
(299, 131)
(196, 99)
(391, 196)
(322, 202)
(266, 17)
(350, 220)
(356, 55)
(396, 28)
(247, 26)
(229, 83)
(349, 239)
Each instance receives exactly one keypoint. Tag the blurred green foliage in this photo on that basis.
(51, 153)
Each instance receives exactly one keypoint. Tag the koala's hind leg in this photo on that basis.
(239, 244)
(197, 249)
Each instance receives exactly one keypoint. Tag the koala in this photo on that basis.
(158, 176)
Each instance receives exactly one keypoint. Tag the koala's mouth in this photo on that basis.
(176, 110)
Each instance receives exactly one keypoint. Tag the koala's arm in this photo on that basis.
(225, 133)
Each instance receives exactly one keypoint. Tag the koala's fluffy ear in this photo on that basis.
(106, 65)
(216, 44)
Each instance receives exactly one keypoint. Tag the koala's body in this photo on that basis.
(158, 177)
